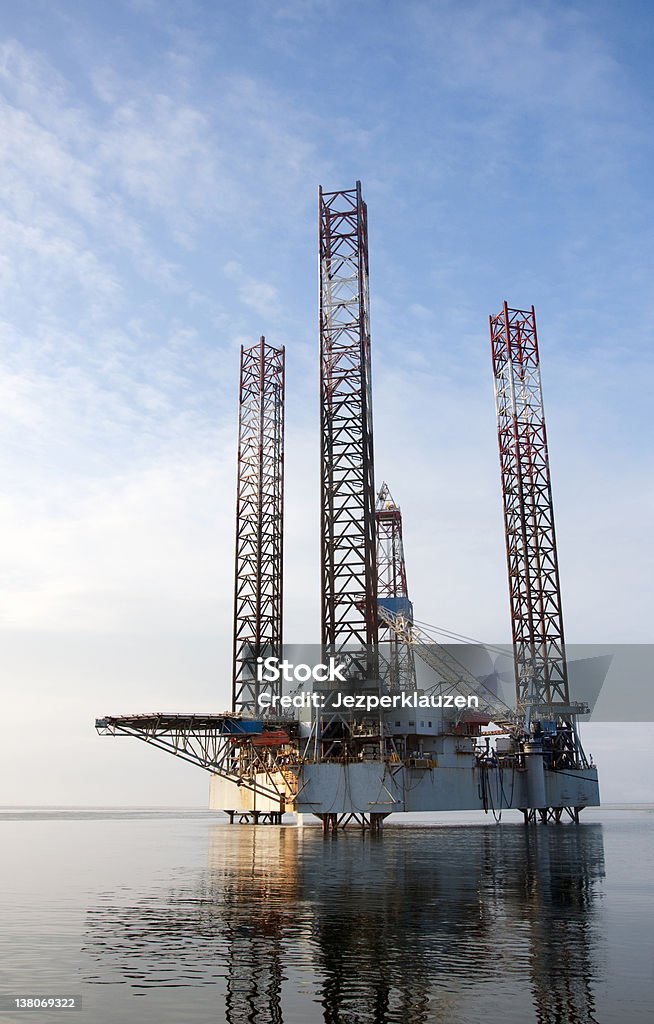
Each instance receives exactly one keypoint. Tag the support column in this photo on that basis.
(259, 521)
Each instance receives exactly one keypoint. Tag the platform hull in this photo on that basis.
(376, 788)
(225, 795)
(372, 788)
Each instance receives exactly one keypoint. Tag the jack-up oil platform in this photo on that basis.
(380, 740)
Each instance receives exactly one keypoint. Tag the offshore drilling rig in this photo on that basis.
(363, 735)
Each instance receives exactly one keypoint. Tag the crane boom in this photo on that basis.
(454, 676)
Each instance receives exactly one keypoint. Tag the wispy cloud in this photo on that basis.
(259, 295)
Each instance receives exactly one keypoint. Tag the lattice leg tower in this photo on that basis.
(258, 581)
(348, 555)
(535, 593)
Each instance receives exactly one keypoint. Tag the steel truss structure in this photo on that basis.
(392, 584)
(259, 521)
(348, 549)
(391, 567)
(535, 594)
(220, 743)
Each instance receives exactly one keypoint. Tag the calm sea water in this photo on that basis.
(174, 916)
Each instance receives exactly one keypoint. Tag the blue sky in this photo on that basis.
(159, 178)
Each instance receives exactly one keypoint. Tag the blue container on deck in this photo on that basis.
(238, 726)
(397, 606)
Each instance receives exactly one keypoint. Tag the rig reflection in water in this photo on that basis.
(439, 924)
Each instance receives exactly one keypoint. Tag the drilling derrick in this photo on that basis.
(348, 555)
(535, 594)
(392, 590)
(259, 521)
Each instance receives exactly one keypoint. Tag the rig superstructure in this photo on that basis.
(370, 737)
